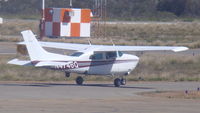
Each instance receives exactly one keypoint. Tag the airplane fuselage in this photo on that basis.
(117, 66)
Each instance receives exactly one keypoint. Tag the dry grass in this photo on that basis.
(174, 94)
(151, 68)
(14, 27)
(170, 67)
(180, 33)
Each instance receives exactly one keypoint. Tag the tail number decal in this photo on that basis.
(72, 65)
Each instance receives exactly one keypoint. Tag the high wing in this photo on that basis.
(143, 48)
(80, 47)
(69, 46)
(57, 45)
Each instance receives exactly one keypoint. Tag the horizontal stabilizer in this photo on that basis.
(20, 62)
(46, 64)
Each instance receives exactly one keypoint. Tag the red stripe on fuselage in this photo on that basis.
(91, 63)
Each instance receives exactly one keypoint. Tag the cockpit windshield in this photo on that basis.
(77, 54)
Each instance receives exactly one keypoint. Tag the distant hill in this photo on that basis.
(116, 9)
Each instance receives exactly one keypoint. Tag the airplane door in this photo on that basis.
(100, 65)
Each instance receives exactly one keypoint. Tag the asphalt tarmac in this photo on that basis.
(7, 48)
(65, 97)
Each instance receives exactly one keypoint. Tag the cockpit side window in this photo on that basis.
(111, 55)
(77, 54)
(97, 56)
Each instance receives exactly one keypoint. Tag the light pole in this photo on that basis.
(71, 3)
(43, 9)
(42, 21)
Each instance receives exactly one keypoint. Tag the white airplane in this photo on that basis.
(105, 60)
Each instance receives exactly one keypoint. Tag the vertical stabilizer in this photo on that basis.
(36, 52)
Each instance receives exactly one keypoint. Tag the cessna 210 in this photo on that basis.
(88, 59)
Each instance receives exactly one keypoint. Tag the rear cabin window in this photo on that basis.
(97, 56)
(120, 53)
(77, 54)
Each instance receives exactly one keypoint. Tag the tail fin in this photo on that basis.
(35, 51)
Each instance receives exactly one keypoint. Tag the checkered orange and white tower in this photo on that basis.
(66, 22)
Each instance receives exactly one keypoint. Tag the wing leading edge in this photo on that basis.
(59, 45)
(143, 48)
(80, 47)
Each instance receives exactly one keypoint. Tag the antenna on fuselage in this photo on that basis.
(89, 42)
(117, 52)
(112, 42)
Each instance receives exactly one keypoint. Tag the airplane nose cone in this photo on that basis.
(133, 63)
(135, 58)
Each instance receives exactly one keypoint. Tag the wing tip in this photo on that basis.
(180, 49)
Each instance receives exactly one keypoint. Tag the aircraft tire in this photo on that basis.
(117, 82)
(123, 81)
(79, 80)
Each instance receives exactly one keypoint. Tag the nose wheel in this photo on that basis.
(79, 80)
(118, 82)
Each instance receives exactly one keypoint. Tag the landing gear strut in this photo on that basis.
(118, 82)
(79, 80)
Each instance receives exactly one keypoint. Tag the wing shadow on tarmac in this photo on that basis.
(71, 85)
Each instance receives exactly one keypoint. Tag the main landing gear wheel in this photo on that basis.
(117, 82)
(123, 81)
(79, 80)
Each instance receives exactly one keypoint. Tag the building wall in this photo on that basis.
(65, 22)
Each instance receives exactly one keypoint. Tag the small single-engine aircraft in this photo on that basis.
(105, 60)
